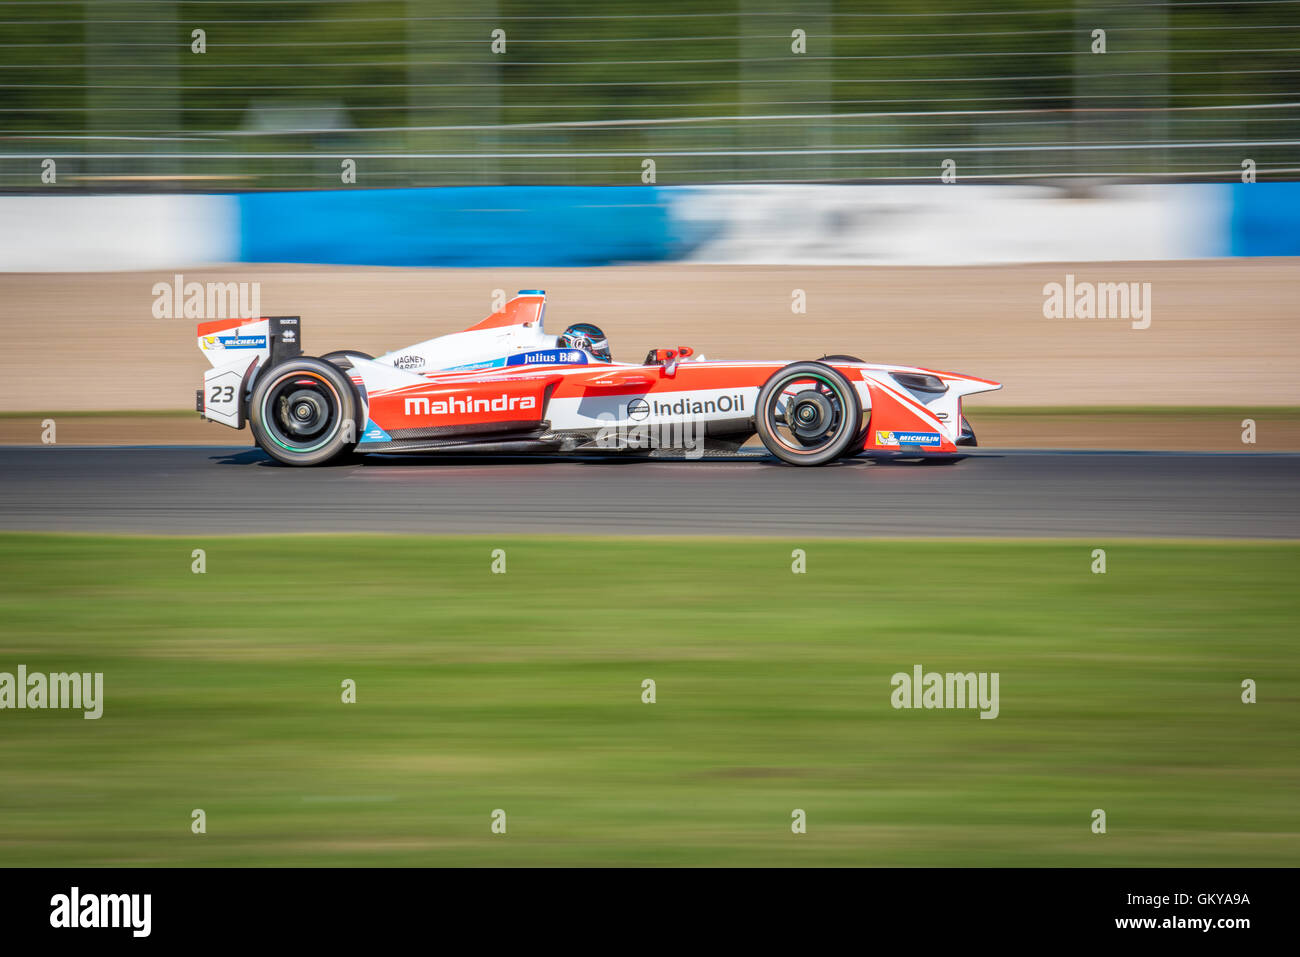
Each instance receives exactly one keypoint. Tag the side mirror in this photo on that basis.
(667, 359)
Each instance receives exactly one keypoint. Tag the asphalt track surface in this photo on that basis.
(1090, 495)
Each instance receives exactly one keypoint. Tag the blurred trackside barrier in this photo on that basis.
(462, 226)
(592, 226)
(1265, 223)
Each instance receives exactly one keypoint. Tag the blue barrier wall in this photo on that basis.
(461, 226)
(1265, 219)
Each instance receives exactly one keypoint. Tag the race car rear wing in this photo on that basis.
(237, 349)
(271, 337)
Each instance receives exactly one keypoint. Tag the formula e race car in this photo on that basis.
(503, 386)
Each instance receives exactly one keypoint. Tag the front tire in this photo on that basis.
(808, 414)
(303, 412)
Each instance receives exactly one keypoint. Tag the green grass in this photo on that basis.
(522, 691)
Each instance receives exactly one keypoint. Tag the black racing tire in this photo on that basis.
(855, 448)
(831, 401)
(304, 412)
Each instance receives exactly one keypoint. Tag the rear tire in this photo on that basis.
(808, 414)
(303, 412)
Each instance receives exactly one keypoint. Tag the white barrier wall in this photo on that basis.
(93, 233)
(954, 224)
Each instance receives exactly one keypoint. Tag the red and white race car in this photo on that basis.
(504, 386)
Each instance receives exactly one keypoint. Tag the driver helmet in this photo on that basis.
(588, 338)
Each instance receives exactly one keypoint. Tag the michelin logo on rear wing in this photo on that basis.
(237, 342)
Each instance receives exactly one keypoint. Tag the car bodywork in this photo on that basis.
(504, 385)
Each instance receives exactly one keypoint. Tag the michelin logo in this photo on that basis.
(908, 438)
(236, 342)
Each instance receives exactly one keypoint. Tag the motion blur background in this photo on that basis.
(578, 93)
(237, 97)
(640, 142)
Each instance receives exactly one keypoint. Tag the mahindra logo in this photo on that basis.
(423, 405)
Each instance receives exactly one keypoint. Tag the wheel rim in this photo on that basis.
(806, 413)
(300, 411)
